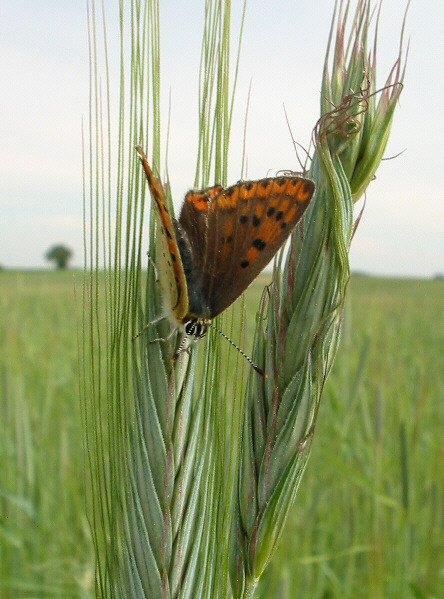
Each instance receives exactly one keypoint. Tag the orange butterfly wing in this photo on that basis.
(247, 224)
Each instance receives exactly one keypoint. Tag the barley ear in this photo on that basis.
(159, 508)
(300, 318)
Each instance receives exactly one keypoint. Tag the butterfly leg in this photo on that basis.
(150, 324)
(153, 264)
(170, 334)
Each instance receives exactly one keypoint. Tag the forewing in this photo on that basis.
(247, 224)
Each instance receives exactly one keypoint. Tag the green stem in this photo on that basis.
(250, 587)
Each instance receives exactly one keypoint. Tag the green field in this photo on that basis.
(368, 520)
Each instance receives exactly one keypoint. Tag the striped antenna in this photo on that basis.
(210, 324)
(255, 366)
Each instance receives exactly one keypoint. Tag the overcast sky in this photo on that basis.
(44, 94)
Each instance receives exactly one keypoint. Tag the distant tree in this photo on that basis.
(59, 254)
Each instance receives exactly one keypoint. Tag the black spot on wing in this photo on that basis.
(259, 244)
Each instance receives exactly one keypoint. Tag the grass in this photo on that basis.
(368, 521)
(45, 547)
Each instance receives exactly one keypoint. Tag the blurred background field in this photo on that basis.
(368, 519)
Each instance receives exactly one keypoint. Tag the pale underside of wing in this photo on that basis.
(172, 291)
(169, 263)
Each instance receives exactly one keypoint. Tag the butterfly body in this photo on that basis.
(221, 242)
(197, 305)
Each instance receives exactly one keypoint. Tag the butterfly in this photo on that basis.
(223, 239)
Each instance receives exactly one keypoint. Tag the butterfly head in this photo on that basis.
(196, 327)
